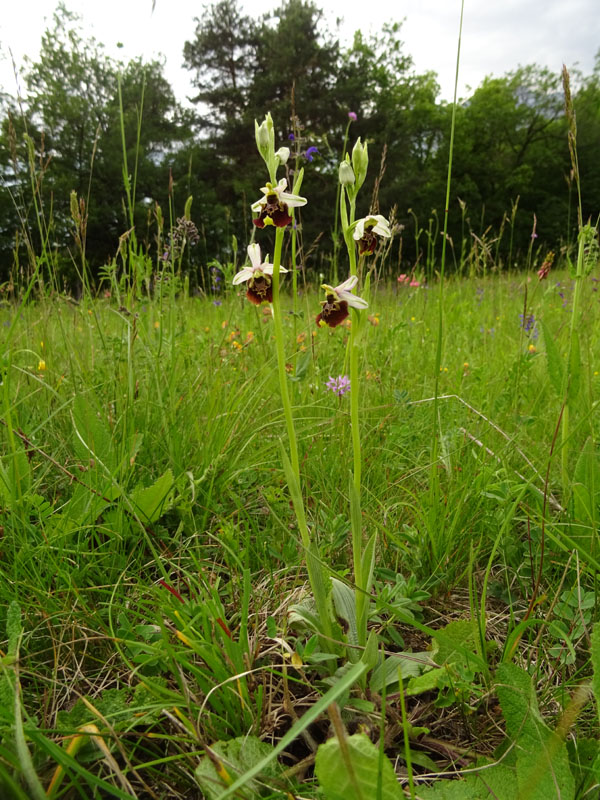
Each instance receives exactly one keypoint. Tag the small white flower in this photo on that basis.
(376, 223)
(367, 230)
(283, 154)
(258, 275)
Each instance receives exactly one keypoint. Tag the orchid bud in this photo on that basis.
(283, 154)
(262, 135)
(360, 162)
(346, 174)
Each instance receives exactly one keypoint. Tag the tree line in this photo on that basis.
(97, 152)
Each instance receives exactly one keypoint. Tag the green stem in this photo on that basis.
(315, 570)
(294, 284)
(564, 433)
(356, 517)
(336, 241)
(354, 385)
(283, 384)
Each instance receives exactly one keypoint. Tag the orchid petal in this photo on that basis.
(254, 255)
(268, 269)
(352, 299)
(359, 231)
(243, 275)
(292, 200)
(347, 285)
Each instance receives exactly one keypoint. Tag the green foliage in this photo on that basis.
(153, 501)
(542, 762)
(355, 770)
(595, 654)
(195, 625)
(553, 360)
(497, 782)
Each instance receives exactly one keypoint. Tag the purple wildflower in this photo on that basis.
(352, 116)
(529, 325)
(310, 152)
(339, 385)
(291, 137)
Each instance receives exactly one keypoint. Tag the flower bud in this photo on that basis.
(360, 161)
(346, 174)
(283, 154)
(262, 135)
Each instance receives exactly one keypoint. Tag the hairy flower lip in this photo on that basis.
(367, 231)
(337, 300)
(258, 277)
(272, 208)
(343, 293)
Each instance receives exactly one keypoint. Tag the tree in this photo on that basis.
(78, 101)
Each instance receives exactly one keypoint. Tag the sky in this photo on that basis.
(497, 36)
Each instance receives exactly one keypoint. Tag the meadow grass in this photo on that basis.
(151, 558)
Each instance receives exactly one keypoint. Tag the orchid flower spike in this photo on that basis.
(367, 232)
(272, 209)
(258, 276)
(336, 303)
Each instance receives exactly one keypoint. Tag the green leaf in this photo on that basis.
(302, 365)
(497, 782)
(586, 483)
(93, 437)
(15, 479)
(152, 502)
(8, 678)
(452, 642)
(584, 757)
(345, 606)
(368, 566)
(595, 653)
(542, 761)
(14, 627)
(230, 759)
(369, 657)
(356, 774)
(428, 681)
(387, 671)
(298, 181)
(553, 361)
